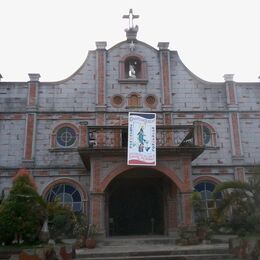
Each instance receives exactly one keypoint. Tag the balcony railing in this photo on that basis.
(116, 136)
(173, 140)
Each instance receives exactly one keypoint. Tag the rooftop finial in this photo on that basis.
(131, 18)
(131, 31)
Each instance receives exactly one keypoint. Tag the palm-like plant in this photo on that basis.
(241, 204)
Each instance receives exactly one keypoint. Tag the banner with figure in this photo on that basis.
(141, 139)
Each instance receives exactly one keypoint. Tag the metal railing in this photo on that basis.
(116, 136)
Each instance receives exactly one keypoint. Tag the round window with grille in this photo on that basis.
(66, 137)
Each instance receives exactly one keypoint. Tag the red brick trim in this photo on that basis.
(32, 94)
(187, 209)
(206, 179)
(165, 71)
(14, 116)
(122, 168)
(240, 174)
(96, 211)
(83, 135)
(95, 175)
(213, 134)
(29, 137)
(231, 93)
(101, 77)
(235, 135)
(65, 181)
(66, 116)
(100, 136)
(198, 133)
(73, 183)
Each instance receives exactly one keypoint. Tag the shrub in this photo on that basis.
(21, 214)
(240, 205)
(61, 222)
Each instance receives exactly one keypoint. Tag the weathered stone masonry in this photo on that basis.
(90, 109)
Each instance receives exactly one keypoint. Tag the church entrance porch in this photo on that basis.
(140, 201)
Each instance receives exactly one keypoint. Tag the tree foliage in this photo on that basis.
(241, 204)
(61, 221)
(21, 214)
(199, 208)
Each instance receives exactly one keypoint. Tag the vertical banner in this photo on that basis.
(141, 139)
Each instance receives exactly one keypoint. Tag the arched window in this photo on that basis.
(65, 136)
(209, 135)
(206, 189)
(132, 69)
(67, 195)
(206, 135)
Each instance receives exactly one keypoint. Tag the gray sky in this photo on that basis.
(52, 37)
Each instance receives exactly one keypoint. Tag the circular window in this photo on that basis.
(117, 101)
(150, 100)
(66, 136)
(67, 195)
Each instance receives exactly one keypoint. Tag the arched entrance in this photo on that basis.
(137, 203)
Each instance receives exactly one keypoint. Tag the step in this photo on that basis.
(122, 241)
(154, 251)
(165, 257)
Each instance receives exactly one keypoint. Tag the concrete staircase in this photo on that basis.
(154, 248)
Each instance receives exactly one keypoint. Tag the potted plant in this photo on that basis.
(202, 221)
(91, 236)
(80, 229)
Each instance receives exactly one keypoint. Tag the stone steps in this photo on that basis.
(153, 256)
(152, 248)
(178, 257)
(122, 241)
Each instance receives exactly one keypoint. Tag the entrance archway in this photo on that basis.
(137, 203)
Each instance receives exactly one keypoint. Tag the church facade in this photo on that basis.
(72, 136)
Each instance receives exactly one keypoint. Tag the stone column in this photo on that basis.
(100, 75)
(186, 192)
(31, 118)
(166, 88)
(234, 125)
(165, 74)
(97, 201)
(198, 133)
(83, 134)
(100, 88)
(240, 174)
(97, 212)
(172, 210)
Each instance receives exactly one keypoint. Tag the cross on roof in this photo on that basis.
(131, 18)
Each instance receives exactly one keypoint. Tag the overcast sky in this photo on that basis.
(53, 37)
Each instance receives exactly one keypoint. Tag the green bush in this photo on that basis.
(61, 222)
(21, 214)
(240, 205)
